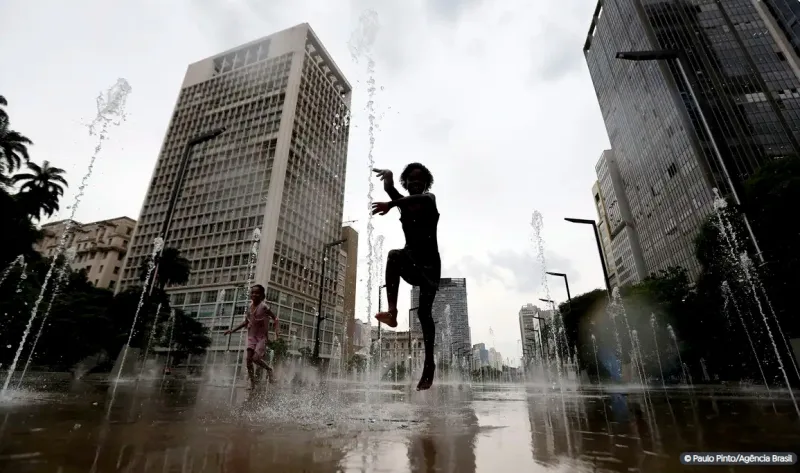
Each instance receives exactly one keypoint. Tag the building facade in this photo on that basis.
(604, 230)
(278, 169)
(100, 247)
(350, 248)
(622, 247)
(451, 316)
(667, 162)
(528, 331)
(398, 346)
(480, 356)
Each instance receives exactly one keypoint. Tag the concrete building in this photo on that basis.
(395, 348)
(495, 359)
(740, 72)
(279, 167)
(528, 330)
(620, 241)
(362, 336)
(480, 356)
(100, 247)
(453, 333)
(350, 248)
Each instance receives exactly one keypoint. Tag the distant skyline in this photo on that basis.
(494, 97)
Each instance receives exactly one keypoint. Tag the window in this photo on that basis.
(116, 269)
(101, 269)
(88, 269)
(111, 284)
(96, 281)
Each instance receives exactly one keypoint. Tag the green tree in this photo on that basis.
(13, 150)
(173, 269)
(280, 349)
(41, 188)
(189, 337)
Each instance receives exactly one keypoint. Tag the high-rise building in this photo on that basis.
(667, 161)
(620, 242)
(350, 248)
(528, 327)
(279, 167)
(100, 247)
(480, 356)
(455, 328)
(784, 16)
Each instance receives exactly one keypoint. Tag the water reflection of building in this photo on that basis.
(618, 237)
(453, 293)
(279, 167)
(665, 158)
(447, 443)
(100, 247)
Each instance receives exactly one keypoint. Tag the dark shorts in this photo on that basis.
(417, 271)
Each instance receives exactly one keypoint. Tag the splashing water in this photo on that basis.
(18, 261)
(678, 351)
(63, 273)
(361, 44)
(171, 323)
(537, 222)
(110, 111)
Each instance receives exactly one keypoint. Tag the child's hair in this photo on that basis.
(413, 167)
(260, 289)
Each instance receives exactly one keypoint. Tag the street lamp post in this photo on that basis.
(566, 282)
(177, 186)
(320, 318)
(679, 58)
(599, 248)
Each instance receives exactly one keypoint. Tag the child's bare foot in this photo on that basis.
(426, 381)
(388, 318)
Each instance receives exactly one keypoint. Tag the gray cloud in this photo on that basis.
(450, 10)
(525, 269)
(558, 52)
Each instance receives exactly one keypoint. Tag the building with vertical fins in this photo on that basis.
(750, 93)
(453, 293)
(279, 167)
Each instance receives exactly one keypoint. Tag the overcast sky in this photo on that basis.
(493, 96)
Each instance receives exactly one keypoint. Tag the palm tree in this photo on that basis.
(41, 189)
(172, 268)
(13, 145)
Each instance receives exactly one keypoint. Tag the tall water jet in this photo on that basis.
(158, 245)
(110, 111)
(18, 261)
(361, 44)
(251, 270)
(726, 294)
(69, 258)
(678, 351)
(658, 355)
(150, 339)
(537, 223)
(171, 323)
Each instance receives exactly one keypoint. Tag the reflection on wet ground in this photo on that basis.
(63, 427)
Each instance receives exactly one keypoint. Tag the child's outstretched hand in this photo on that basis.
(381, 208)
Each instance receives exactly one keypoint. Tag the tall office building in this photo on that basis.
(784, 15)
(619, 238)
(666, 160)
(452, 293)
(279, 167)
(350, 248)
(528, 327)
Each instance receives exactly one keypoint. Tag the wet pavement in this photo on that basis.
(187, 427)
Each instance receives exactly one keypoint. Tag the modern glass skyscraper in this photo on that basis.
(666, 160)
(452, 293)
(279, 167)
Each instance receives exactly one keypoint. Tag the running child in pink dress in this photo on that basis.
(257, 322)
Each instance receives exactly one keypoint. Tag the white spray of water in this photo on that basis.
(537, 222)
(18, 261)
(171, 322)
(63, 273)
(361, 44)
(110, 111)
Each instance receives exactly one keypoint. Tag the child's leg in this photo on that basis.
(250, 373)
(425, 315)
(394, 267)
